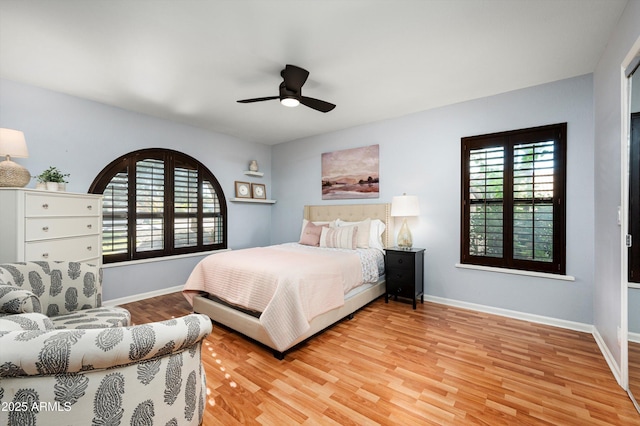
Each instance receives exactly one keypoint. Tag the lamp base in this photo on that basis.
(13, 175)
(405, 240)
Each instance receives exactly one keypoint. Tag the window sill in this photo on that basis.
(517, 272)
(159, 259)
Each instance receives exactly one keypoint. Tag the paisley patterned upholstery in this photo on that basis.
(149, 374)
(66, 292)
(67, 360)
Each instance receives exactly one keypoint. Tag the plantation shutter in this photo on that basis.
(115, 215)
(486, 190)
(533, 171)
(185, 191)
(149, 205)
(213, 223)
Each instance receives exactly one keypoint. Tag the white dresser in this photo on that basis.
(47, 225)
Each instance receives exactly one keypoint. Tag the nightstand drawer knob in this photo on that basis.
(400, 261)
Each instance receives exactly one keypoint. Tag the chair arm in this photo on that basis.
(16, 300)
(24, 322)
(29, 353)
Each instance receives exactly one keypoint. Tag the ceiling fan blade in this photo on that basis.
(317, 104)
(248, 101)
(294, 77)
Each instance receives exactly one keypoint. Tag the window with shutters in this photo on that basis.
(159, 202)
(513, 207)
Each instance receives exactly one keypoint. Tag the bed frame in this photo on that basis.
(251, 327)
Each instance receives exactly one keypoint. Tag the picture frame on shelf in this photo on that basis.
(243, 189)
(259, 191)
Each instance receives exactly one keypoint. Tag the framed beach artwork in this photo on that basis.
(351, 173)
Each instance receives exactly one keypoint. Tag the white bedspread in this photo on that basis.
(290, 285)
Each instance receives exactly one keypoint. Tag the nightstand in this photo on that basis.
(404, 273)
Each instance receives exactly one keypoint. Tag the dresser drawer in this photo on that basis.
(60, 205)
(79, 248)
(399, 260)
(57, 227)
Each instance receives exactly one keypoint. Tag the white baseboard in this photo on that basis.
(539, 319)
(608, 356)
(141, 296)
(634, 337)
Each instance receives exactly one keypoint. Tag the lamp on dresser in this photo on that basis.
(405, 206)
(13, 144)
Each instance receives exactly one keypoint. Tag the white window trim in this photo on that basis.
(516, 272)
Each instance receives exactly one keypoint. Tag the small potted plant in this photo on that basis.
(53, 178)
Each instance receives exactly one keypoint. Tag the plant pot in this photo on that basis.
(41, 185)
(53, 186)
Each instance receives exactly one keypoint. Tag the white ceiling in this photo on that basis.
(190, 60)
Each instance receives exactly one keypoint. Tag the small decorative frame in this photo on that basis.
(243, 189)
(259, 191)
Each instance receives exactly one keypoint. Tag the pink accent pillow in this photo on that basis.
(311, 234)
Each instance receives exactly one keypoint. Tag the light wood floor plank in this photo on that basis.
(390, 365)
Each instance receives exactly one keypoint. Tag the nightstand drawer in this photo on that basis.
(399, 260)
(401, 285)
(400, 277)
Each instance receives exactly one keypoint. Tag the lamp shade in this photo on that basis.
(13, 143)
(405, 205)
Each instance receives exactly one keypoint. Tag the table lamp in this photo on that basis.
(13, 144)
(405, 206)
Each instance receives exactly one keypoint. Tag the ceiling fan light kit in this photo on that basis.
(290, 102)
(291, 91)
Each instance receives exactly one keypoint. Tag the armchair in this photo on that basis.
(141, 375)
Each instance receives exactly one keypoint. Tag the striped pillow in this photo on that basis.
(345, 237)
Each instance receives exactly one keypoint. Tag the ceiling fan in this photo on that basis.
(291, 91)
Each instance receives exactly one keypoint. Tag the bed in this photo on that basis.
(252, 322)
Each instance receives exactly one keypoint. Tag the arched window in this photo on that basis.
(159, 202)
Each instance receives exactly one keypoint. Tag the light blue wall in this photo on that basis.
(81, 137)
(608, 295)
(420, 155)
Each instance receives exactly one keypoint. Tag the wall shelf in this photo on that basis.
(250, 173)
(252, 200)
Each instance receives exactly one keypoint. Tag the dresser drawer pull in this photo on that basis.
(89, 226)
(45, 206)
(45, 255)
(89, 248)
(45, 228)
(90, 207)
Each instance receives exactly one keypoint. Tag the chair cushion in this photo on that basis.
(16, 300)
(104, 317)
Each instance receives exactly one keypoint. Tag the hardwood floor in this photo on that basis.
(391, 365)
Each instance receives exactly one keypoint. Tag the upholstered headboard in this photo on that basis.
(354, 213)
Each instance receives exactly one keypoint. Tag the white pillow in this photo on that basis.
(375, 231)
(344, 237)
